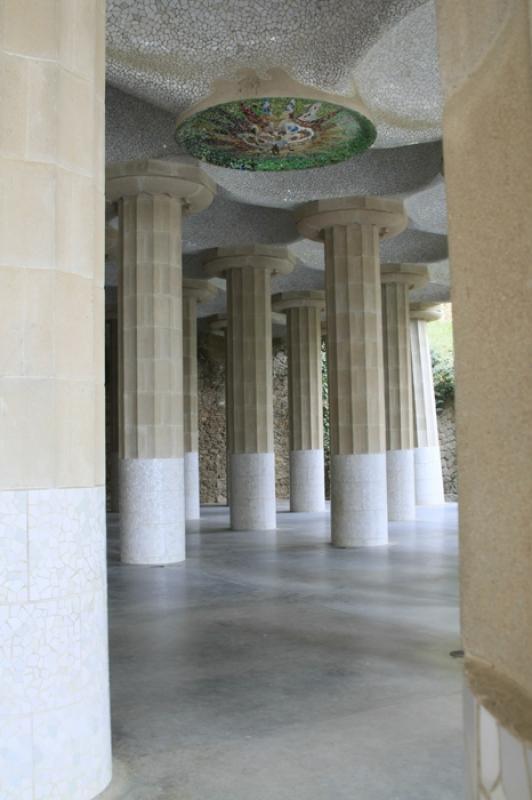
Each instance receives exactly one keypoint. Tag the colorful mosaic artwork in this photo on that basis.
(277, 133)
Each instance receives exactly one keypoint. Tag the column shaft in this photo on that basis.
(427, 457)
(305, 405)
(250, 414)
(112, 413)
(194, 292)
(151, 393)
(398, 402)
(356, 385)
(489, 66)
(54, 699)
(229, 436)
(190, 398)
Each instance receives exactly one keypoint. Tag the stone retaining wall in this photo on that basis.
(211, 387)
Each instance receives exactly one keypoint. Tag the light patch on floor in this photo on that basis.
(271, 666)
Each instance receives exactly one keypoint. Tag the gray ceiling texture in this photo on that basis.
(163, 56)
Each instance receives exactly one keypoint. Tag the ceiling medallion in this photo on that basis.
(272, 132)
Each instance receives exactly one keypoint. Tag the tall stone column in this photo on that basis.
(219, 326)
(427, 456)
(487, 78)
(305, 405)
(152, 197)
(397, 280)
(248, 272)
(111, 409)
(350, 229)
(54, 695)
(194, 292)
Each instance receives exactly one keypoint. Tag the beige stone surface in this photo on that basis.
(183, 181)
(248, 272)
(150, 321)
(351, 228)
(51, 244)
(386, 216)
(194, 292)
(303, 314)
(487, 123)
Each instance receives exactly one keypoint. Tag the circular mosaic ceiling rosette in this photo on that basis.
(274, 124)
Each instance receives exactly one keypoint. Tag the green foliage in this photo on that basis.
(443, 374)
(440, 335)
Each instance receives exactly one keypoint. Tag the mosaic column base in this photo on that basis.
(401, 485)
(114, 482)
(428, 476)
(54, 686)
(359, 515)
(498, 765)
(307, 480)
(253, 492)
(152, 510)
(192, 486)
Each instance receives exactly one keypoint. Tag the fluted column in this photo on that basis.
(194, 292)
(305, 405)
(427, 456)
(248, 272)
(152, 196)
(112, 412)
(350, 229)
(54, 686)
(397, 280)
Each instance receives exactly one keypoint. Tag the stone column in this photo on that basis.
(307, 479)
(152, 196)
(249, 271)
(427, 456)
(351, 228)
(111, 408)
(397, 280)
(219, 326)
(54, 697)
(487, 78)
(194, 292)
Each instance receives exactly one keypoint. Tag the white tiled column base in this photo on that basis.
(358, 500)
(401, 485)
(54, 691)
(253, 491)
(498, 765)
(228, 478)
(192, 487)
(307, 480)
(114, 480)
(428, 476)
(152, 510)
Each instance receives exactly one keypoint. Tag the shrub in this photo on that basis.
(443, 374)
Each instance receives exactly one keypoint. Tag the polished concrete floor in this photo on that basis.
(271, 666)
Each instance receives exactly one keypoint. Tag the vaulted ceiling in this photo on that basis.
(163, 56)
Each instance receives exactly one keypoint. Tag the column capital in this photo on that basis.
(429, 312)
(312, 298)
(277, 260)
(198, 290)
(412, 275)
(387, 215)
(183, 181)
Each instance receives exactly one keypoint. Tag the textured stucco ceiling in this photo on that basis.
(163, 55)
(169, 52)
